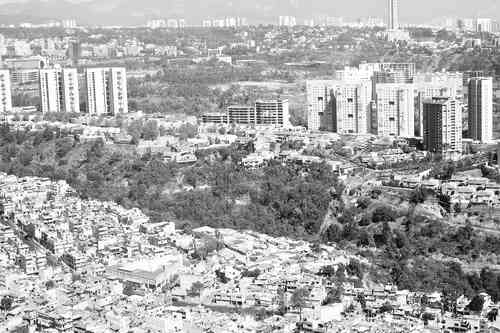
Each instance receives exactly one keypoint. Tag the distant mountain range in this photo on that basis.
(135, 12)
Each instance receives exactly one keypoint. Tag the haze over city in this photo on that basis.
(128, 12)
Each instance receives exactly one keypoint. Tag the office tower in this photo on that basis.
(273, 112)
(321, 104)
(442, 126)
(5, 92)
(394, 113)
(393, 15)
(59, 90)
(481, 109)
(241, 114)
(106, 91)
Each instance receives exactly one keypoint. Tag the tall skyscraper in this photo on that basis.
(393, 15)
(59, 90)
(106, 91)
(5, 92)
(394, 114)
(481, 109)
(443, 126)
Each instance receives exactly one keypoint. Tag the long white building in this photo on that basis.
(481, 109)
(5, 92)
(59, 90)
(106, 91)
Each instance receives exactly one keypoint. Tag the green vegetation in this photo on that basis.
(278, 200)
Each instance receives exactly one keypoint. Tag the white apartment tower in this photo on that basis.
(337, 106)
(481, 109)
(443, 126)
(5, 92)
(320, 106)
(117, 90)
(59, 90)
(395, 105)
(95, 82)
(352, 114)
(106, 91)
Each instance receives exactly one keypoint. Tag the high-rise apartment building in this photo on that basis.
(5, 92)
(338, 106)
(481, 109)
(320, 104)
(106, 91)
(117, 90)
(393, 15)
(272, 112)
(429, 85)
(59, 90)
(394, 114)
(442, 126)
(352, 108)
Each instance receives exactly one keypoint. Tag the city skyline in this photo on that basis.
(261, 11)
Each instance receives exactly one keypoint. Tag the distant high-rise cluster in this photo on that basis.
(169, 23)
(392, 99)
(227, 22)
(105, 90)
(287, 21)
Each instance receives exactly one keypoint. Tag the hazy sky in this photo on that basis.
(410, 11)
